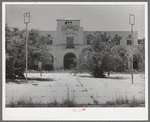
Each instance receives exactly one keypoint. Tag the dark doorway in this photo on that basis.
(135, 62)
(69, 61)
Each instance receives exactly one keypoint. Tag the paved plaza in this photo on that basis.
(83, 88)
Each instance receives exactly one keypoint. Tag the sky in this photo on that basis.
(93, 17)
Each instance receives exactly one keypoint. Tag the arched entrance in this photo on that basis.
(135, 62)
(69, 61)
(48, 62)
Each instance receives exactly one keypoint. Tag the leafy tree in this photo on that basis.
(42, 48)
(39, 50)
(38, 47)
(33, 57)
(103, 53)
(15, 52)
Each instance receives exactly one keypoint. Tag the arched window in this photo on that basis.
(48, 62)
(88, 42)
(135, 62)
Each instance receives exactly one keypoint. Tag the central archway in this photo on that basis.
(69, 61)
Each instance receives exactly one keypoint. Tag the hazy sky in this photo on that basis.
(93, 17)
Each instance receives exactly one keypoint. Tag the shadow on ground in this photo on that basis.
(29, 79)
(85, 76)
(41, 79)
(118, 77)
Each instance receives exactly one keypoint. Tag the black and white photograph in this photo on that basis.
(75, 61)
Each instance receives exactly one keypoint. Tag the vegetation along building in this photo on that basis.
(70, 38)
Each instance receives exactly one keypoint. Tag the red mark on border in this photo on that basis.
(76, 110)
(79, 110)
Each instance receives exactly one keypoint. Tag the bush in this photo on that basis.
(14, 71)
(97, 72)
(102, 55)
(48, 67)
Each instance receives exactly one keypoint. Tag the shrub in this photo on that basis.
(14, 70)
(103, 54)
(48, 67)
(97, 72)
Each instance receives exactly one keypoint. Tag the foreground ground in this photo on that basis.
(82, 88)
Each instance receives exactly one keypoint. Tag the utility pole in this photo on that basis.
(26, 21)
(132, 22)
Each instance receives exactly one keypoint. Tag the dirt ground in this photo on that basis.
(82, 88)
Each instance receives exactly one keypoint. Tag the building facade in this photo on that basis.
(70, 38)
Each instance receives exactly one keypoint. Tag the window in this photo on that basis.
(70, 42)
(88, 42)
(129, 35)
(140, 41)
(129, 42)
(65, 23)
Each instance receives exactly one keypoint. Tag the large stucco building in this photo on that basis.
(70, 38)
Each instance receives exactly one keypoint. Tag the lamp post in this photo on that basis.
(26, 21)
(132, 22)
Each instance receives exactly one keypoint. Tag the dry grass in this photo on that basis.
(30, 103)
(24, 102)
(71, 103)
(119, 102)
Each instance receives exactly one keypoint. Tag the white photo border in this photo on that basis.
(66, 113)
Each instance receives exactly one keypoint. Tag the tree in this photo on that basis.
(39, 50)
(42, 48)
(33, 57)
(103, 53)
(111, 52)
(15, 51)
(38, 47)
